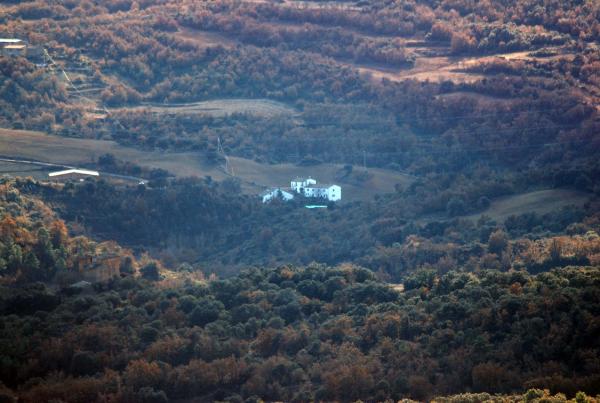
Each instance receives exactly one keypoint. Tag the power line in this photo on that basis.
(228, 166)
(482, 149)
(516, 112)
(401, 120)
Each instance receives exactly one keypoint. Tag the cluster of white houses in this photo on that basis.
(307, 187)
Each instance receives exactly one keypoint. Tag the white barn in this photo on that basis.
(72, 174)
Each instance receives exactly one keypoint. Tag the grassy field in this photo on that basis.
(23, 170)
(72, 151)
(379, 180)
(540, 202)
(254, 176)
(221, 107)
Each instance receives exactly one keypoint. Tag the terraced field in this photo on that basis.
(220, 107)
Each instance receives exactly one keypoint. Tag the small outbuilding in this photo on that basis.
(13, 47)
(276, 193)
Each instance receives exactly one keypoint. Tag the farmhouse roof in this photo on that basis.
(74, 171)
(81, 284)
(14, 47)
(321, 186)
(266, 192)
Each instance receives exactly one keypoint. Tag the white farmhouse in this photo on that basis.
(305, 186)
(275, 193)
(329, 192)
(300, 183)
(309, 188)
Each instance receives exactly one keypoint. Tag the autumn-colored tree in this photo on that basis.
(498, 242)
(58, 233)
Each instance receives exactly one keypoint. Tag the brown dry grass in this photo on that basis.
(540, 202)
(427, 68)
(71, 151)
(14, 169)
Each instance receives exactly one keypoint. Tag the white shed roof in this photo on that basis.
(10, 40)
(74, 171)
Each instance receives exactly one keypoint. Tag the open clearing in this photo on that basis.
(426, 68)
(318, 4)
(380, 180)
(440, 68)
(205, 39)
(540, 202)
(220, 107)
(254, 176)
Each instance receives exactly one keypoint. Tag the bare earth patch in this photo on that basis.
(442, 68)
(205, 39)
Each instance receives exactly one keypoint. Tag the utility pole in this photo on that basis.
(228, 166)
(364, 160)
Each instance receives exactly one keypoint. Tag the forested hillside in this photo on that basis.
(291, 333)
(476, 277)
(304, 334)
(35, 245)
(346, 67)
(214, 227)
